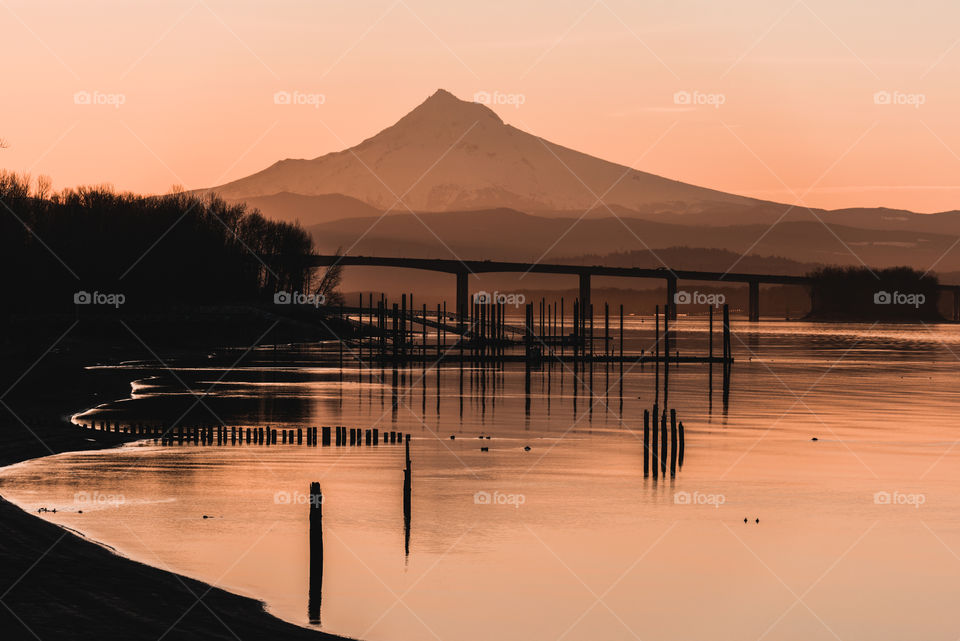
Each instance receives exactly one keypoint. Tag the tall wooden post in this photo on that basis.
(666, 351)
(663, 442)
(646, 442)
(606, 329)
(656, 359)
(584, 297)
(407, 494)
(653, 441)
(673, 442)
(316, 553)
(682, 443)
(562, 335)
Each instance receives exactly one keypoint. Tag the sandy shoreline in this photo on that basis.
(54, 584)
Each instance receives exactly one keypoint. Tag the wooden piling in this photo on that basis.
(727, 354)
(407, 495)
(576, 331)
(621, 343)
(666, 353)
(656, 361)
(673, 442)
(681, 444)
(316, 551)
(606, 329)
(591, 339)
(654, 453)
(646, 442)
(663, 442)
(563, 337)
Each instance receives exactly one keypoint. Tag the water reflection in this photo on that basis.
(601, 485)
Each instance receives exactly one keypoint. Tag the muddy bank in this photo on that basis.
(53, 583)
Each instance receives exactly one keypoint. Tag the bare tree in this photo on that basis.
(3, 143)
(44, 186)
(330, 282)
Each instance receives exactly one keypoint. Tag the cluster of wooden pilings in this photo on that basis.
(656, 454)
(223, 435)
(398, 332)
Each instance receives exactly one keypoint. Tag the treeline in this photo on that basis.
(156, 251)
(862, 294)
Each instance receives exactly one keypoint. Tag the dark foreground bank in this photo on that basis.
(54, 584)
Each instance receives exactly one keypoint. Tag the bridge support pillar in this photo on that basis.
(584, 302)
(956, 305)
(463, 300)
(671, 307)
(754, 304)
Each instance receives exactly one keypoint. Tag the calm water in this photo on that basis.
(859, 531)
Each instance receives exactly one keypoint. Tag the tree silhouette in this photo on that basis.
(159, 251)
(858, 293)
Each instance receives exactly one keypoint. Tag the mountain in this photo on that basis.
(449, 154)
(310, 210)
(475, 187)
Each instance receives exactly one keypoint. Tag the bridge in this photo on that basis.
(463, 268)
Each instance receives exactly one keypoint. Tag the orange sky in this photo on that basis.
(186, 88)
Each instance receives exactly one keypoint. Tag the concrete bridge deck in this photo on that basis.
(462, 269)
